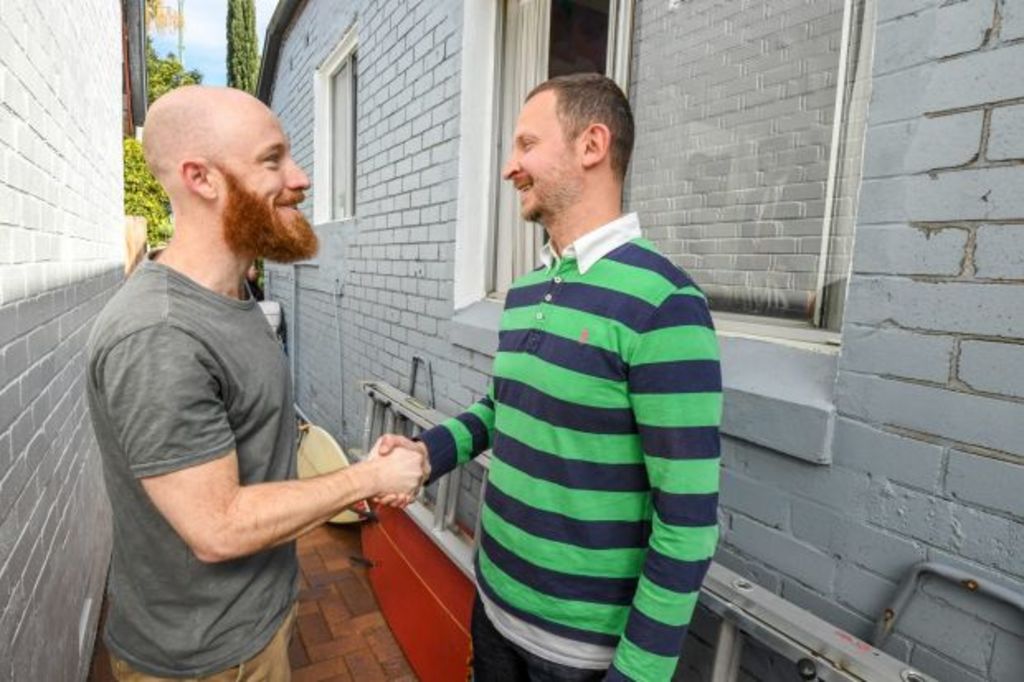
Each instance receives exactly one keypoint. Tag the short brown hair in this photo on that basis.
(586, 98)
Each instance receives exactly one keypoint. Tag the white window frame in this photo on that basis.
(323, 142)
(810, 354)
(476, 208)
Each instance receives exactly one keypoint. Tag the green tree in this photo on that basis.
(166, 73)
(243, 60)
(143, 195)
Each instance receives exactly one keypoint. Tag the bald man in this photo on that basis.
(191, 402)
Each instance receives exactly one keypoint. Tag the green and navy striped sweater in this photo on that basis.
(599, 520)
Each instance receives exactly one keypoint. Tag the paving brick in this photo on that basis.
(339, 645)
(330, 669)
(334, 611)
(313, 629)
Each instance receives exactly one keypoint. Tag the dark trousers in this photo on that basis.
(495, 659)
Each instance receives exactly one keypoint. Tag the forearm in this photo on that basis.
(265, 515)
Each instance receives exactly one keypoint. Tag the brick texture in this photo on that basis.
(734, 105)
(926, 385)
(60, 212)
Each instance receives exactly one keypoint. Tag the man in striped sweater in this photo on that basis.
(599, 520)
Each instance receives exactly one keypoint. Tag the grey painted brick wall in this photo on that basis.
(926, 456)
(383, 277)
(54, 517)
(927, 445)
(954, 154)
(60, 240)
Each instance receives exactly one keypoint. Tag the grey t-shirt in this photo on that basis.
(179, 375)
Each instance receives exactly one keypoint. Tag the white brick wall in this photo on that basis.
(61, 222)
(60, 153)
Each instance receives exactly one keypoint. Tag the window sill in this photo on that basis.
(476, 326)
(778, 381)
(779, 394)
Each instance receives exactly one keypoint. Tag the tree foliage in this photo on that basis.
(166, 73)
(243, 59)
(143, 195)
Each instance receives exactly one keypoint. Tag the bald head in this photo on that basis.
(198, 121)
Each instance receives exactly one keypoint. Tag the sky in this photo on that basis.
(205, 35)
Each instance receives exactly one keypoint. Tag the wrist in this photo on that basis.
(372, 480)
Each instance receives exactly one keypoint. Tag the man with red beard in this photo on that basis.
(191, 402)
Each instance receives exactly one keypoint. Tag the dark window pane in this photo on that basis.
(579, 37)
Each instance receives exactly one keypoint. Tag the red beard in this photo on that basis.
(255, 229)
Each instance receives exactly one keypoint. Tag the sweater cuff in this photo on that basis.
(442, 451)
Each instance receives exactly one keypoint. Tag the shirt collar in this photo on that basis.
(596, 244)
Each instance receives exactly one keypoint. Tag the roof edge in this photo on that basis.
(283, 15)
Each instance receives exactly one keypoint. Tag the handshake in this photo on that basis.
(400, 466)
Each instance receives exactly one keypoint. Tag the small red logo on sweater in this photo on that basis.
(584, 335)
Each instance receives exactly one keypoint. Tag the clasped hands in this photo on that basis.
(402, 468)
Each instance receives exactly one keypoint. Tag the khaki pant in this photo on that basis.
(269, 665)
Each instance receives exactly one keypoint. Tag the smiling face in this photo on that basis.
(263, 190)
(543, 165)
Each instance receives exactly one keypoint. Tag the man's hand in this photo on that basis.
(391, 445)
(400, 474)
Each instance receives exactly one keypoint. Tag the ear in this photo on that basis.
(595, 143)
(198, 177)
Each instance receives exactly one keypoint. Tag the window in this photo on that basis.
(334, 133)
(748, 153)
(542, 39)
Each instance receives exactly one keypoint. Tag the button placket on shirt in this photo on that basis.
(542, 314)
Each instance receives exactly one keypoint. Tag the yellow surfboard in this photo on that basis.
(320, 454)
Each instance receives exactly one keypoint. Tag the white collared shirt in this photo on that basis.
(596, 244)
